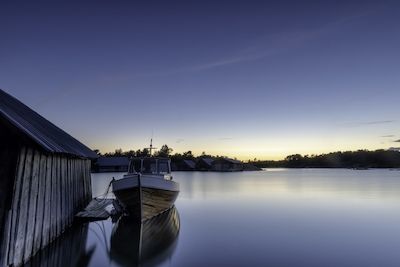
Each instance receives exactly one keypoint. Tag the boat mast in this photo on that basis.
(151, 145)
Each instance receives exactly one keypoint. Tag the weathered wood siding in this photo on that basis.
(48, 191)
(8, 159)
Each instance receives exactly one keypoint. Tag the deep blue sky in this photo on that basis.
(248, 79)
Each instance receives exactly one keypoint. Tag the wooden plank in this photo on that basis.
(23, 210)
(66, 197)
(44, 258)
(95, 211)
(4, 244)
(13, 214)
(83, 184)
(71, 200)
(73, 186)
(8, 162)
(55, 177)
(37, 243)
(67, 190)
(47, 204)
(88, 181)
(33, 197)
(62, 194)
(73, 208)
(54, 191)
(70, 211)
(58, 197)
(79, 184)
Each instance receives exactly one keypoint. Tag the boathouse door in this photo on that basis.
(9, 150)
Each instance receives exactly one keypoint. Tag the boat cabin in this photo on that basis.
(150, 165)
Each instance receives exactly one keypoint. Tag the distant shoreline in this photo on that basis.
(357, 160)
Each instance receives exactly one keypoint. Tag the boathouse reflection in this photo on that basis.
(150, 242)
(67, 250)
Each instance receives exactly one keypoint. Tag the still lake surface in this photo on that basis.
(277, 217)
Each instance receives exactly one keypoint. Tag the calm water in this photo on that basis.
(278, 217)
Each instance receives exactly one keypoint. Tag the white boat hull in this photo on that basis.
(145, 196)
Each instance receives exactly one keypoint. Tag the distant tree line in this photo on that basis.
(348, 159)
(165, 151)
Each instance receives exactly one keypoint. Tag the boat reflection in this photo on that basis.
(150, 242)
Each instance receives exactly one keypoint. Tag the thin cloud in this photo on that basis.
(397, 141)
(377, 122)
(263, 47)
(387, 136)
(276, 44)
(367, 123)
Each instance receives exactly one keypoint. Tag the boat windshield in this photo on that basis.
(136, 166)
(163, 166)
(149, 166)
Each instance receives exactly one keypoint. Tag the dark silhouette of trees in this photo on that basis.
(142, 153)
(188, 155)
(348, 159)
(164, 152)
(97, 151)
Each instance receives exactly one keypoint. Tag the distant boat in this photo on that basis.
(134, 242)
(147, 189)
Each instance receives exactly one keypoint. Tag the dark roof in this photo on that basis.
(146, 158)
(38, 129)
(208, 161)
(232, 160)
(113, 161)
(190, 163)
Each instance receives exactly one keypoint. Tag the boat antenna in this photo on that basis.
(151, 146)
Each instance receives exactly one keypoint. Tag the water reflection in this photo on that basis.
(67, 250)
(287, 217)
(132, 243)
(149, 243)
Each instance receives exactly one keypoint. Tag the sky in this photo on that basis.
(245, 79)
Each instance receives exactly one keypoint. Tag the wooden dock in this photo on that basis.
(96, 210)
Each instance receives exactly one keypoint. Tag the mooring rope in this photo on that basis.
(103, 197)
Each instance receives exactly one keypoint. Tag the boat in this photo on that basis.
(147, 189)
(151, 242)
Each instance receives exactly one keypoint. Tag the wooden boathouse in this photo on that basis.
(204, 164)
(44, 181)
(111, 164)
(183, 165)
(227, 165)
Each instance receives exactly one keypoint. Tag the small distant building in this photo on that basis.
(189, 164)
(227, 165)
(204, 164)
(111, 164)
(184, 165)
(44, 181)
(251, 167)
